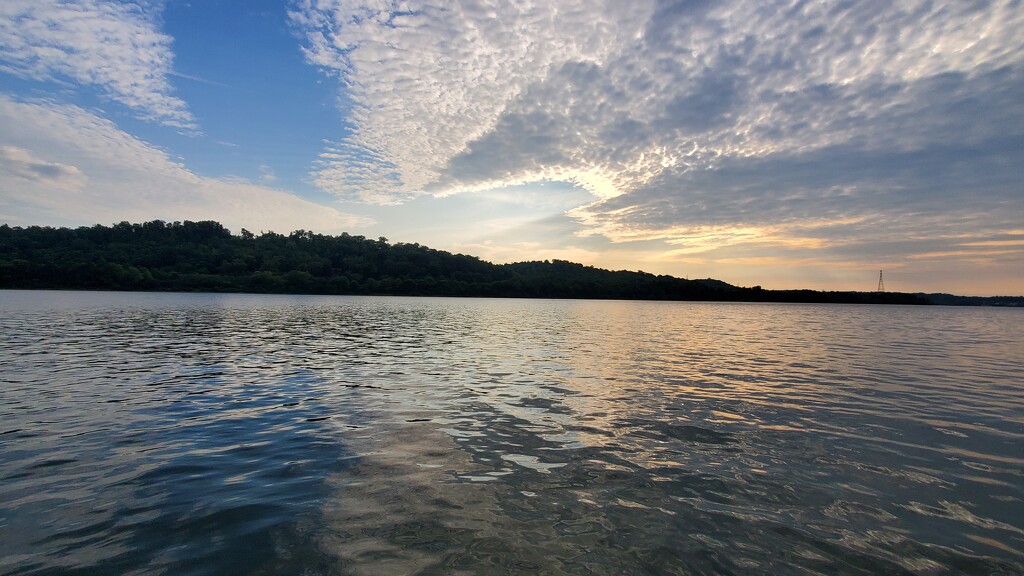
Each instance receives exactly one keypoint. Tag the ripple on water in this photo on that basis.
(148, 433)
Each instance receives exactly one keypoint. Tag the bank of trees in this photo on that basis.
(205, 256)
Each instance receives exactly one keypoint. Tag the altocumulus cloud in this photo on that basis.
(114, 46)
(851, 126)
(65, 163)
(427, 80)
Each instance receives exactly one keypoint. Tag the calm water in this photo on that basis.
(237, 434)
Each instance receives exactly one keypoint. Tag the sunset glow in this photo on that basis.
(784, 144)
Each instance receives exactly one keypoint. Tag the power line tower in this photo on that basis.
(881, 283)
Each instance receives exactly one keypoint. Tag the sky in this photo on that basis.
(780, 143)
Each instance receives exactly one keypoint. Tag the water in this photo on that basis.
(237, 434)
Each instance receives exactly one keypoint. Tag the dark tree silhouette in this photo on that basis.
(205, 256)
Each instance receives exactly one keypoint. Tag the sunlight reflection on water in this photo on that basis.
(198, 433)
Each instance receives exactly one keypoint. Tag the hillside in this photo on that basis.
(205, 256)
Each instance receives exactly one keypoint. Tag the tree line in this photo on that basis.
(206, 257)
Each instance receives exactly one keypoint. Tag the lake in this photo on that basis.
(250, 434)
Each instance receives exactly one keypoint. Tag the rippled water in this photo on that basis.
(237, 434)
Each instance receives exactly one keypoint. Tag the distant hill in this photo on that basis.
(952, 300)
(716, 284)
(205, 256)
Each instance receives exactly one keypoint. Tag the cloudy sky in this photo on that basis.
(783, 143)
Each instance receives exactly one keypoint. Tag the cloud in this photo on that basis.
(701, 124)
(267, 174)
(115, 46)
(431, 85)
(426, 80)
(21, 163)
(61, 163)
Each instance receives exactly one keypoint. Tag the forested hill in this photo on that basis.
(205, 256)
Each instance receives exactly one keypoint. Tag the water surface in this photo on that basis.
(239, 434)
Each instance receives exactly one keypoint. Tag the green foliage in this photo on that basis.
(205, 256)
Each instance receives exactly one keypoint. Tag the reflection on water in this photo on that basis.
(178, 434)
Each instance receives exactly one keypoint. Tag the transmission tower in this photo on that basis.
(881, 283)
